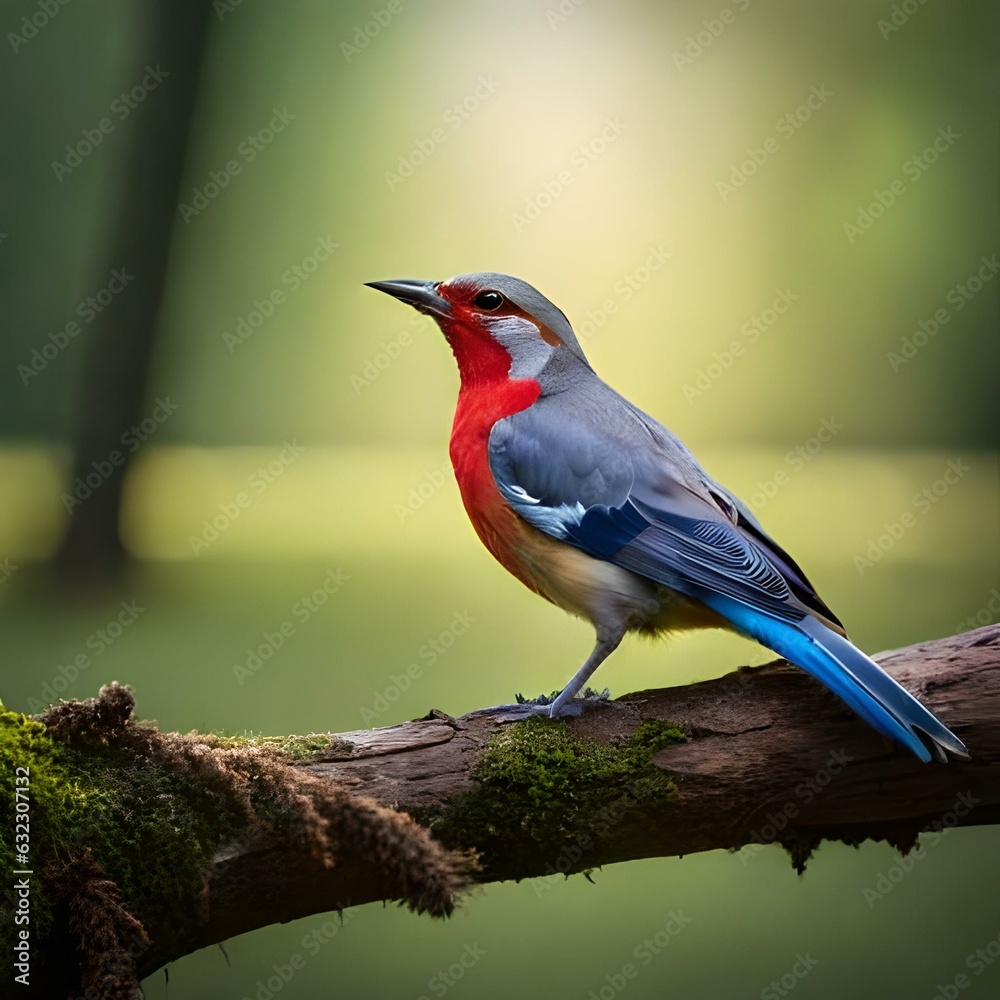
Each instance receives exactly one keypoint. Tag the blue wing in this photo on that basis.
(624, 490)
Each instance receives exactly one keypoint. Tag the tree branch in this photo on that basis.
(768, 756)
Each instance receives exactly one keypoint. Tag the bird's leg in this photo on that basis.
(607, 642)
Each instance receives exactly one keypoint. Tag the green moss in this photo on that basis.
(154, 832)
(294, 747)
(539, 789)
(54, 800)
(903, 836)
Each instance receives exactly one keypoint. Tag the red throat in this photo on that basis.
(487, 395)
(480, 358)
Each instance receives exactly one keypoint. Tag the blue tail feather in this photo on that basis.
(848, 673)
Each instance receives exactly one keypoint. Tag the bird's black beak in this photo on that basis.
(422, 295)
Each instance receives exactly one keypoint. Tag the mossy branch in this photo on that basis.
(149, 845)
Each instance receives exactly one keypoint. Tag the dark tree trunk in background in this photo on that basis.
(120, 348)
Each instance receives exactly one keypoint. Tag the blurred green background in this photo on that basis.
(658, 172)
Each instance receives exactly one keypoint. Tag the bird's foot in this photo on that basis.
(545, 704)
(550, 705)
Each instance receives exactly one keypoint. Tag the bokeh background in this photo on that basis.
(670, 175)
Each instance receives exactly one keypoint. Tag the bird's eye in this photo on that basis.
(489, 300)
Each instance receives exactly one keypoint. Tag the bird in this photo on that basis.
(596, 506)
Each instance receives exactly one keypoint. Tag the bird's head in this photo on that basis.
(498, 326)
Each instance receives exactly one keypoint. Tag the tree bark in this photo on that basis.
(770, 756)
